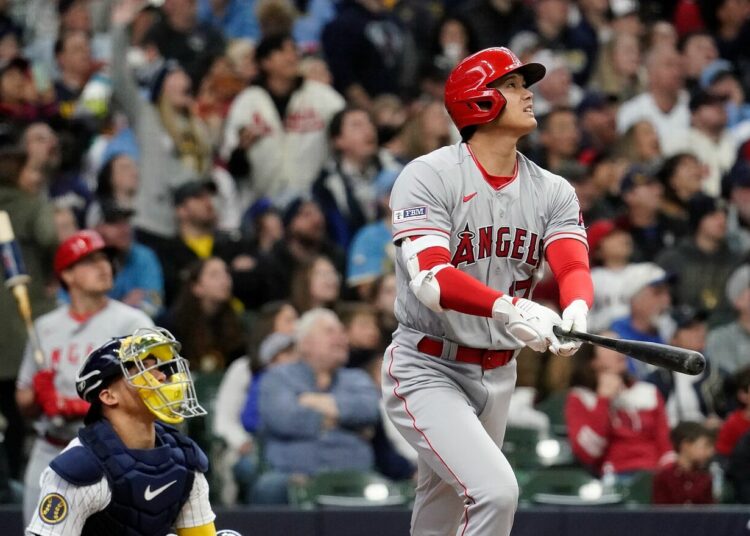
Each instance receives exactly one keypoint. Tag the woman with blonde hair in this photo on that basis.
(618, 69)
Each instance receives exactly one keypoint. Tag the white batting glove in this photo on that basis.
(528, 322)
(574, 318)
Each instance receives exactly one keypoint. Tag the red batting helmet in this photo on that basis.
(78, 246)
(468, 98)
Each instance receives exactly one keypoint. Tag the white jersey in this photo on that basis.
(75, 504)
(66, 341)
(496, 236)
(611, 296)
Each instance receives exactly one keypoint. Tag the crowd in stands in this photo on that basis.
(237, 157)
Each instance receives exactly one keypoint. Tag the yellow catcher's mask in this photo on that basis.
(172, 400)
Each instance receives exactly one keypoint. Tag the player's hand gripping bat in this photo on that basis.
(661, 355)
(16, 279)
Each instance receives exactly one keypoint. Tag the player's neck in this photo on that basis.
(497, 154)
(84, 305)
(135, 433)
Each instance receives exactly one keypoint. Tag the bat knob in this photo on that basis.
(695, 364)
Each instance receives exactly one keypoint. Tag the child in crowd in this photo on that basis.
(687, 481)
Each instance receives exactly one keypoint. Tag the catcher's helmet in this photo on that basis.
(468, 98)
(76, 247)
(170, 400)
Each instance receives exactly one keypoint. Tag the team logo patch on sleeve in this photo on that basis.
(53, 509)
(409, 214)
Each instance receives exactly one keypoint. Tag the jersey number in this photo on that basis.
(523, 287)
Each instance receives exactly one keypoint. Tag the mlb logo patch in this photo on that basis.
(409, 214)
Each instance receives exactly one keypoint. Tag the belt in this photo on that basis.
(488, 359)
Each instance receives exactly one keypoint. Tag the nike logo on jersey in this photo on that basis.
(469, 197)
(149, 495)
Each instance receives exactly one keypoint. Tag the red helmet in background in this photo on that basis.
(78, 246)
(468, 98)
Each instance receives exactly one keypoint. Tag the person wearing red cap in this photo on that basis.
(47, 392)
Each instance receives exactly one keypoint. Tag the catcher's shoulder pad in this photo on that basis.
(79, 466)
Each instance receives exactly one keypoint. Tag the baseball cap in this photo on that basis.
(194, 188)
(113, 212)
(739, 175)
(704, 98)
(600, 230)
(595, 100)
(738, 282)
(273, 345)
(645, 274)
(636, 176)
(686, 315)
(713, 71)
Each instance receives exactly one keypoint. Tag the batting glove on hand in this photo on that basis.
(528, 321)
(574, 318)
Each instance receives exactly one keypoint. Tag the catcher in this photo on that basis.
(127, 473)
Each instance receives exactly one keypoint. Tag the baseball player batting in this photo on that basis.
(126, 472)
(473, 222)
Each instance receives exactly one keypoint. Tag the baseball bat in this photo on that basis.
(661, 355)
(16, 279)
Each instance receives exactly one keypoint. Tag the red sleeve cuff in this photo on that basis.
(569, 260)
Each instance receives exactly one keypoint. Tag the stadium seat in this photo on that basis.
(348, 489)
(638, 488)
(526, 448)
(565, 486)
(554, 407)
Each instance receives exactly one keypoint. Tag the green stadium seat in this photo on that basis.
(342, 489)
(526, 448)
(565, 487)
(554, 407)
(638, 488)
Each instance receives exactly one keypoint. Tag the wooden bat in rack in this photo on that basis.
(17, 280)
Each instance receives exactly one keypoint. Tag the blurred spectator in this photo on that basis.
(738, 470)
(709, 139)
(648, 294)
(738, 214)
(241, 427)
(626, 17)
(32, 218)
(241, 56)
(275, 17)
(495, 22)
(215, 95)
(687, 480)
(276, 128)
(640, 144)
(20, 101)
(305, 239)
(728, 346)
(263, 224)
(662, 33)
(234, 18)
(371, 252)
(697, 398)
(556, 89)
(427, 129)
(273, 317)
(344, 189)
(664, 103)
(610, 248)
(369, 52)
(597, 118)
(360, 321)
(618, 70)
(729, 22)
(738, 422)
(595, 18)
(316, 414)
(577, 44)
(651, 230)
(202, 317)
(698, 50)
(615, 421)
(315, 284)
(315, 68)
(75, 66)
(179, 35)
(681, 175)
(601, 192)
(139, 281)
(719, 78)
(198, 238)
(453, 40)
(383, 298)
(702, 261)
(46, 391)
(559, 139)
(173, 143)
(117, 182)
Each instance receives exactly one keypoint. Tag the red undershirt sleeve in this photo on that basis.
(569, 260)
(458, 291)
